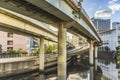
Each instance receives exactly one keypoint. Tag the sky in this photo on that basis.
(105, 9)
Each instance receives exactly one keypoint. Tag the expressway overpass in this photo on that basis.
(55, 12)
(66, 15)
(20, 24)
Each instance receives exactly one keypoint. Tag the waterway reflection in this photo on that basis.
(76, 72)
(109, 70)
(106, 71)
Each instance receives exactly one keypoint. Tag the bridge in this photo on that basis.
(66, 15)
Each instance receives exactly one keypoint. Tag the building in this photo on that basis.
(73, 39)
(101, 24)
(111, 38)
(115, 25)
(32, 43)
(10, 41)
(77, 41)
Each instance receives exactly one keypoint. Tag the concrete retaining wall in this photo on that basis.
(10, 66)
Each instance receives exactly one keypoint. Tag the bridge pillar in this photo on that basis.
(41, 55)
(91, 73)
(91, 59)
(62, 52)
(96, 49)
(41, 77)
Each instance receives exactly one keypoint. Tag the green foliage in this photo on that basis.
(118, 56)
(20, 51)
(36, 51)
(118, 50)
(107, 62)
(11, 52)
(0, 48)
(50, 49)
(107, 49)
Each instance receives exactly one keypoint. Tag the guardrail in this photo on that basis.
(15, 55)
(48, 57)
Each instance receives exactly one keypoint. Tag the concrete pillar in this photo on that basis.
(91, 59)
(8, 67)
(91, 73)
(41, 55)
(96, 50)
(62, 52)
(25, 64)
(20, 65)
(41, 77)
(2, 67)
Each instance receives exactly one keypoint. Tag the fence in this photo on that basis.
(16, 55)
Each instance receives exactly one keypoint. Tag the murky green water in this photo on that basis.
(107, 71)
(74, 72)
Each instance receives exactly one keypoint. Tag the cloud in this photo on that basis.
(102, 14)
(112, 1)
(114, 7)
(99, 7)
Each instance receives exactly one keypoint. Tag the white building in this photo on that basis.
(109, 71)
(111, 38)
(115, 24)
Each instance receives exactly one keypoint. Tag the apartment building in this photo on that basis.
(111, 38)
(101, 24)
(77, 41)
(115, 25)
(11, 41)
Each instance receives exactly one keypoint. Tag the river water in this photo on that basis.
(79, 71)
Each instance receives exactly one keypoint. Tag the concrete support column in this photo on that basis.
(96, 50)
(1, 67)
(91, 73)
(9, 66)
(41, 55)
(41, 77)
(91, 59)
(62, 52)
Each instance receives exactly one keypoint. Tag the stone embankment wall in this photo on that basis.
(16, 65)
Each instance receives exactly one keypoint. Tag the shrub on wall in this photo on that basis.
(36, 51)
(50, 49)
(11, 52)
(0, 48)
(117, 56)
(20, 51)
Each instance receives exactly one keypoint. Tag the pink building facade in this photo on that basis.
(13, 41)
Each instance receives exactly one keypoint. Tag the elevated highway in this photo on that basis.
(55, 12)
(66, 15)
(20, 24)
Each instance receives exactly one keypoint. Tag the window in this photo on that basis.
(118, 37)
(118, 42)
(9, 42)
(10, 35)
(9, 48)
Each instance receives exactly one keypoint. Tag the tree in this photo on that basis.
(20, 50)
(0, 48)
(11, 52)
(118, 50)
(107, 49)
(36, 51)
(118, 56)
(50, 49)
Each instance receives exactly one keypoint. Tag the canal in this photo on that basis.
(75, 71)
